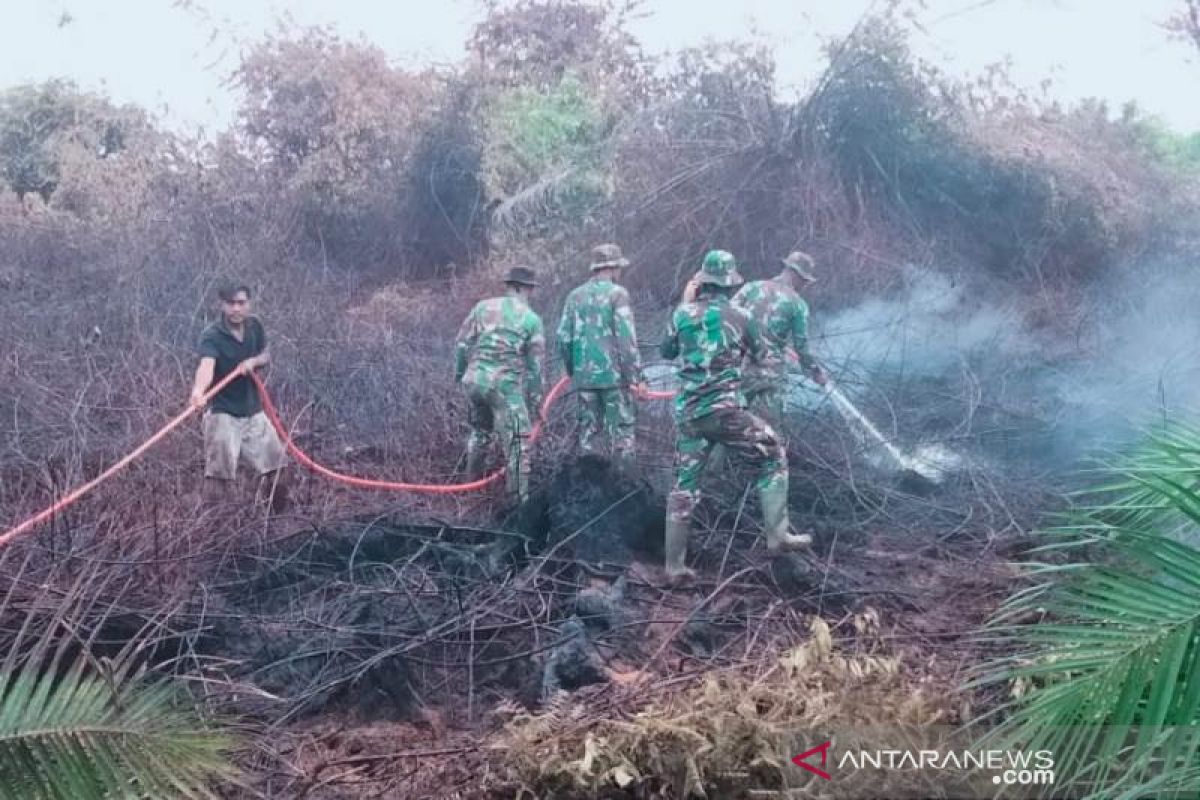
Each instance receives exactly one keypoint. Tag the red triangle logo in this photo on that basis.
(823, 749)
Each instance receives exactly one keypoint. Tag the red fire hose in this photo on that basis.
(46, 514)
(269, 408)
(396, 486)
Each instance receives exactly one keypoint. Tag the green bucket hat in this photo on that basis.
(606, 256)
(719, 269)
(521, 275)
(802, 264)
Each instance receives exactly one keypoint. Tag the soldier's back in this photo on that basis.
(591, 328)
(713, 342)
(774, 306)
(505, 325)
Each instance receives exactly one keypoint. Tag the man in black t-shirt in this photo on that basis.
(235, 427)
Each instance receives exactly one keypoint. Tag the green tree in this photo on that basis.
(546, 152)
(556, 79)
(1175, 151)
(38, 120)
(326, 109)
(336, 125)
(536, 44)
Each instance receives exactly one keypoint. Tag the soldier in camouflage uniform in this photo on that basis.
(598, 344)
(712, 339)
(498, 360)
(782, 317)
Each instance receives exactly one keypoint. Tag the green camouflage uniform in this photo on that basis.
(782, 317)
(598, 345)
(712, 338)
(498, 359)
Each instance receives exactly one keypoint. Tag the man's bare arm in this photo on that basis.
(203, 379)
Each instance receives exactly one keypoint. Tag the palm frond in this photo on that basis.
(77, 726)
(85, 735)
(1110, 680)
(529, 202)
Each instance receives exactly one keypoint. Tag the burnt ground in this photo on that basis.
(375, 651)
(380, 654)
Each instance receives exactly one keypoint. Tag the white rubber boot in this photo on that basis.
(676, 553)
(775, 521)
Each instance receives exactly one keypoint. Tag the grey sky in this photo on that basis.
(173, 59)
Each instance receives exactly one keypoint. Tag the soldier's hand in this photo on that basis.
(640, 390)
(197, 400)
(690, 290)
(819, 376)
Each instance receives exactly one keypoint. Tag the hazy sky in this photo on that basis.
(173, 57)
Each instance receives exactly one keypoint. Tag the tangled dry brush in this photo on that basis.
(370, 206)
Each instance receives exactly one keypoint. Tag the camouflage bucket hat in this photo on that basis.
(520, 275)
(719, 269)
(606, 256)
(802, 264)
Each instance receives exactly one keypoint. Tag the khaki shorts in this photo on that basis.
(251, 439)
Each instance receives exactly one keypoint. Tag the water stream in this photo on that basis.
(930, 461)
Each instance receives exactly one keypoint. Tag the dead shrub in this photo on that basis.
(727, 733)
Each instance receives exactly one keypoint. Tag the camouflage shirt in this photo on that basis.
(501, 345)
(596, 337)
(782, 316)
(712, 338)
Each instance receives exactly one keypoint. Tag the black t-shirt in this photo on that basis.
(240, 397)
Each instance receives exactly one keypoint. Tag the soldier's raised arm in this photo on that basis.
(669, 349)
(564, 336)
(800, 334)
(800, 341)
(464, 342)
(626, 336)
(535, 352)
(756, 347)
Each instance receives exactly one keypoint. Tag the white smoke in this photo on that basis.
(1132, 356)
(1138, 357)
(935, 362)
(927, 328)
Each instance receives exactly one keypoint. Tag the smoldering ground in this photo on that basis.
(941, 362)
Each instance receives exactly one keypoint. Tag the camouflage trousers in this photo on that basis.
(499, 412)
(611, 414)
(734, 429)
(765, 401)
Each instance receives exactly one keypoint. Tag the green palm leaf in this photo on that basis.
(83, 735)
(1114, 671)
(77, 727)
